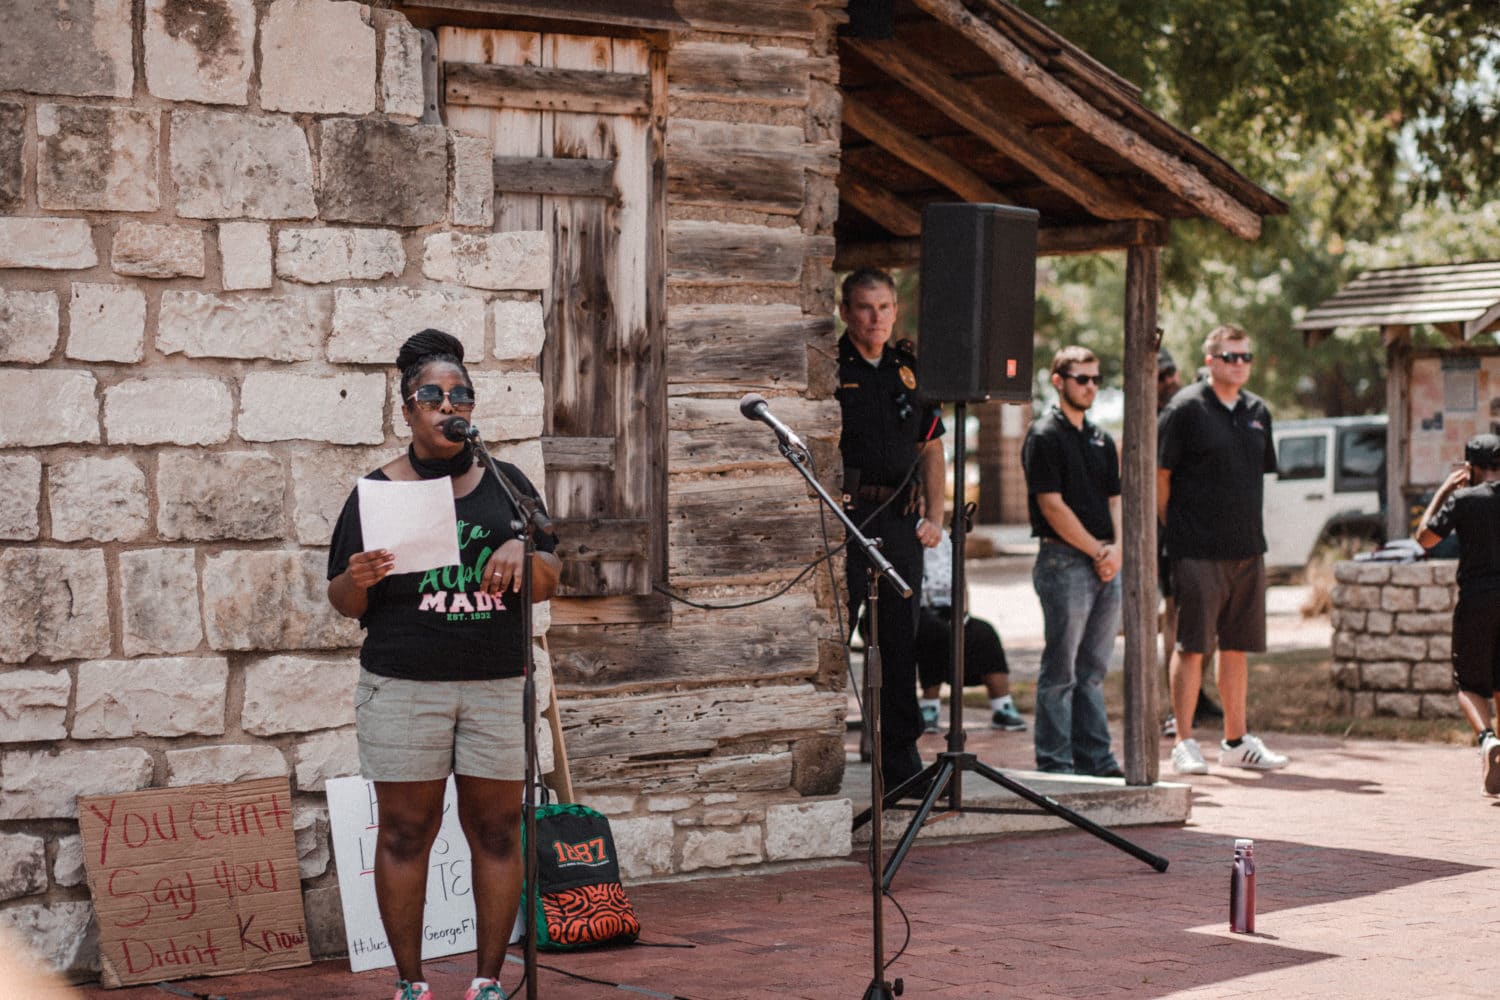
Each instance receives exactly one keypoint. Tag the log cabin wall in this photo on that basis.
(699, 271)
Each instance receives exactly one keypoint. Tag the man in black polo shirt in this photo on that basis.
(1168, 382)
(1468, 502)
(1215, 448)
(1073, 497)
(894, 473)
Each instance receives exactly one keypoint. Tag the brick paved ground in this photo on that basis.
(1376, 880)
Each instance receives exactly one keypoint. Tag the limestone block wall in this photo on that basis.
(1392, 639)
(218, 221)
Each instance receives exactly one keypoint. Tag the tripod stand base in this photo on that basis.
(942, 780)
(883, 991)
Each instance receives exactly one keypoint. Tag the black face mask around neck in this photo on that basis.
(437, 468)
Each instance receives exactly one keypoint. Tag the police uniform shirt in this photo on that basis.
(1080, 463)
(1473, 512)
(1218, 458)
(884, 425)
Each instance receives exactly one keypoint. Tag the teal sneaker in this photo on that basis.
(1009, 719)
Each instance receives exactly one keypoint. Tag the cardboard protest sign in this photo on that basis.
(195, 881)
(448, 916)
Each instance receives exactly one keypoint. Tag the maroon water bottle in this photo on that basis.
(1242, 888)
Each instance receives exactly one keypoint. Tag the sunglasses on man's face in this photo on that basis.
(1230, 357)
(430, 397)
(1084, 379)
(1165, 374)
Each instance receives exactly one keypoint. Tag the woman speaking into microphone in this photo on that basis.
(440, 680)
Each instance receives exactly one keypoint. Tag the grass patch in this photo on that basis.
(1289, 693)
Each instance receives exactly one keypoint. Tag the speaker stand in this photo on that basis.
(946, 773)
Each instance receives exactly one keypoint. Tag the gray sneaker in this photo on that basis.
(1008, 719)
(930, 715)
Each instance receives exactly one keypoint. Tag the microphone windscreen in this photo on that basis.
(749, 402)
(456, 429)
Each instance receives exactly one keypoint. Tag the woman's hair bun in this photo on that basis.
(429, 343)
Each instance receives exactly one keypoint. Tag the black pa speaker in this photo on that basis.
(978, 303)
(870, 19)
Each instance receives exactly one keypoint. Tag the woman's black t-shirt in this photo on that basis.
(439, 625)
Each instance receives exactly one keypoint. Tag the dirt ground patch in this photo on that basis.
(1289, 693)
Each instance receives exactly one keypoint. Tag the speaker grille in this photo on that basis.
(978, 302)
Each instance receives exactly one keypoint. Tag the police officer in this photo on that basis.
(894, 472)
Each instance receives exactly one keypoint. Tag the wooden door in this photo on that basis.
(576, 123)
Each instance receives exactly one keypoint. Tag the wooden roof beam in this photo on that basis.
(1176, 175)
(1475, 327)
(917, 152)
(931, 81)
(1052, 241)
(894, 215)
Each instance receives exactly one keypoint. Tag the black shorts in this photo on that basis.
(1221, 604)
(1476, 644)
(983, 653)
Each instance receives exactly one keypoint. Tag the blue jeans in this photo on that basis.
(1081, 615)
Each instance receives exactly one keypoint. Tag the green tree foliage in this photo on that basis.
(1375, 120)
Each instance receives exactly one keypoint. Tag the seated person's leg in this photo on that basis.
(933, 643)
(985, 663)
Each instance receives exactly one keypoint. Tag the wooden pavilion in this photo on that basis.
(975, 100)
(1435, 399)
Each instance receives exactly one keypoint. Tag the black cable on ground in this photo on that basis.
(642, 990)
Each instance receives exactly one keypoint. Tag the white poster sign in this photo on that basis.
(448, 919)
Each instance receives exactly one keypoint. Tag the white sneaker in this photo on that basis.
(1187, 758)
(1489, 754)
(1252, 755)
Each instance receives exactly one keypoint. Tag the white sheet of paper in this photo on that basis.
(416, 521)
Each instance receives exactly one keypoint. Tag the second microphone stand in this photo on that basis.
(532, 519)
(946, 773)
(877, 566)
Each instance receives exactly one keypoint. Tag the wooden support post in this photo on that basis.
(560, 778)
(992, 468)
(1142, 277)
(1397, 428)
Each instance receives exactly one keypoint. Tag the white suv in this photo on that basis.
(1328, 488)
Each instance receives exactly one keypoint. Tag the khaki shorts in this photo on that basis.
(1221, 603)
(425, 730)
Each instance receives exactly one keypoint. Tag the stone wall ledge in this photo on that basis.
(1392, 640)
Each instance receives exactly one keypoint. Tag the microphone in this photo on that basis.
(459, 429)
(754, 407)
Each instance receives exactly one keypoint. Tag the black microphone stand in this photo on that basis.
(532, 520)
(946, 773)
(878, 566)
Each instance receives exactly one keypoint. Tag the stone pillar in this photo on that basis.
(1392, 639)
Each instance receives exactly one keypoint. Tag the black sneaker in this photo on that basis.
(1206, 715)
(897, 766)
(1008, 719)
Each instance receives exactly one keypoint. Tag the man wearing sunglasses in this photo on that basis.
(1073, 497)
(1168, 382)
(1215, 447)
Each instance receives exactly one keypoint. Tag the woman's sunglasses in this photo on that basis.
(430, 397)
